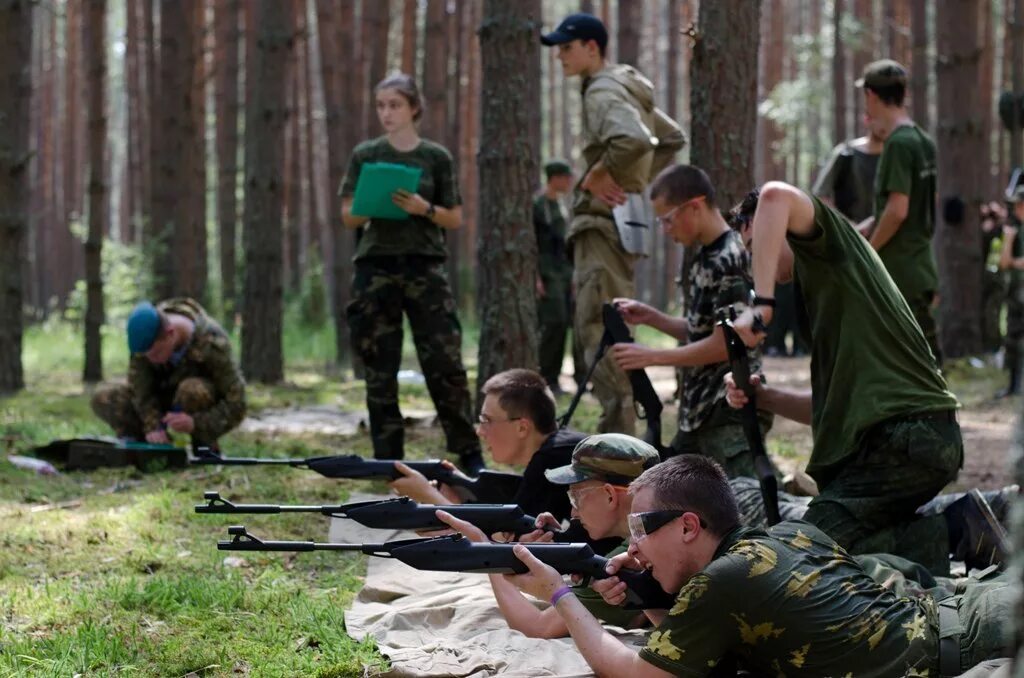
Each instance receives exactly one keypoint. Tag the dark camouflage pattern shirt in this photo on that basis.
(439, 185)
(720, 278)
(549, 224)
(791, 602)
(208, 356)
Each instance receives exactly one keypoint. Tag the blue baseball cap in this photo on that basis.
(577, 27)
(143, 327)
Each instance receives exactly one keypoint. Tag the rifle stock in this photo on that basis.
(489, 486)
(645, 398)
(455, 553)
(739, 363)
(401, 513)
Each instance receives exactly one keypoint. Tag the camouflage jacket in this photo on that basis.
(720, 277)
(208, 356)
(549, 226)
(790, 602)
(624, 130)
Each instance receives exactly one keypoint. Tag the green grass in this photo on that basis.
(126, 578)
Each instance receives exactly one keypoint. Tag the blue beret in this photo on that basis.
(143, 327)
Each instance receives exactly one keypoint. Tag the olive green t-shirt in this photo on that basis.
(869, 359)
(439, 185)
(908, 166)
(791, 602)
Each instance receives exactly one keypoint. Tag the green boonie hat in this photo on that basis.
(554, 168)
(610, 457)
(881, 74)
(143, 327)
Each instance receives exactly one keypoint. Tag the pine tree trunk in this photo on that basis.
(435, 73)
(338, 116)
(312, 231)
(267, 115)
(958, 245)
(133, 92)
(866, 52)
(409, 35)
(508, 248)
(193, 264)
(919, 85)
(630, 17)
(1017, 61)
(377, 22)
(15, 98)
(95, 66)
(840, 130)
(227, 15)
(468, 177)
(772, 164)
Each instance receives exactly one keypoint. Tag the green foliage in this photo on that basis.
(313, 295)
(125, 282)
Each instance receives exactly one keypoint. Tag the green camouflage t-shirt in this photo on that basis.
(908, 166)
(439, 185)
(869, 359)
(791, 602)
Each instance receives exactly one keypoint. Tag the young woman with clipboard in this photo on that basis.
(400, 267)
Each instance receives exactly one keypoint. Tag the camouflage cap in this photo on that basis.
(611, 457)
(881, 74)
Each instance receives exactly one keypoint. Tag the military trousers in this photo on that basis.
(553, 321)
(383, 289)
(870, 504)
(602, 271)
(721, 437)
(113, 404)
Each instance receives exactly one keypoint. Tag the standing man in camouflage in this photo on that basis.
(181, 377)
(1011, 259)
(554, 270)
(904, 194)
(626, 142)
(684, 200)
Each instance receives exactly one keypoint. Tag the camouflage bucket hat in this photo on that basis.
(610, 457)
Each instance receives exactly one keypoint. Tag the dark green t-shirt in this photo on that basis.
(791, 602)
(439, 185)
(908, 166)
(869, 359)
(549, 226)
(849, 181)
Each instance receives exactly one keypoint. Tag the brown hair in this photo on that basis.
(679, 183)
(692, 482)
(405, 85)
(524, 393)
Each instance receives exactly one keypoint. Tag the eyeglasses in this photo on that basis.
(666, 219)
(647, 523)
(484, 421)
(575, 496)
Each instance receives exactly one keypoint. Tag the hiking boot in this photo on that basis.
(472, 463)
(975, 535)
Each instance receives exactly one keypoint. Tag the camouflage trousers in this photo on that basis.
(113, 404)
(602, 271)
(870, 504)
(721, 437)
(553, 319)
(924, 314)
(382, 290)
(1014, 341)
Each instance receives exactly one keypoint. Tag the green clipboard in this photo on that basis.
(377, 181)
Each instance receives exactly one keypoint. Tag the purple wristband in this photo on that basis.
(557, 595)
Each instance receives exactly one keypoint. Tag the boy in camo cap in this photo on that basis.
(597, 478)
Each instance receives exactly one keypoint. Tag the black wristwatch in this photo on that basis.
(763, 301)
(431, 211)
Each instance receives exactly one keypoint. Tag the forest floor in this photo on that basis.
(111, 572)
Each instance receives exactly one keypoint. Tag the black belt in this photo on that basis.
(949, 637)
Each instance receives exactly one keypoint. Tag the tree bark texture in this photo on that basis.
(267, 115)
(958, 135)
(96, 67)
(227, 16)
(507, 247)
(15, 98)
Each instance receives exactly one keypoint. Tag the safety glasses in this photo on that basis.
(644, 524)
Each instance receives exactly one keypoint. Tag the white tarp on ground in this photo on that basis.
(434, 624)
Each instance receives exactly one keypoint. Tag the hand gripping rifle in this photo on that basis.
(739, 363)
(645, 398)
(455, 553)
(401, 513)
(489, 486)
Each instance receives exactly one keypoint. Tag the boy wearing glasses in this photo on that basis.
(684, 200)
(597, 478)
(786, 601)
(517, 424)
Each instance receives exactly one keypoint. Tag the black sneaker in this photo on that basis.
(472, 463)
(977, 538)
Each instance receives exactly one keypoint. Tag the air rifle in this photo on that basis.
(739, 363)
(401, 513)
(489, 486)
(455, 553)
(645, 398)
